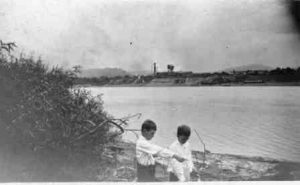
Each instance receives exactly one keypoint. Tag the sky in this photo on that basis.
(193, 35)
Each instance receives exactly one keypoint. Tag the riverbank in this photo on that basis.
(267, 84)
(218, 167)
(17, 167)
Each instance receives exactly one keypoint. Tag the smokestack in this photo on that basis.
(154, 69)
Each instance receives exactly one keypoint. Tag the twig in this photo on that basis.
(204, 158)
(107, 120)
(123, 122)
(132, 116)
(7, 46)
(89, 132)
(125, 119)
(133, 131)
(91, 122)
(117, 125)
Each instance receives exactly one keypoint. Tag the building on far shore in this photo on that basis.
(170, 72)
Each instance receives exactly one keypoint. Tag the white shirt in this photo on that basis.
(181, 170)
(145, 151)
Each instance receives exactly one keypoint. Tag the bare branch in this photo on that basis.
(134, 131)
(91, 122)
(138, 115)
(117, 125)
(204, 157)
(89, 132)
(7, 46)
(124, 120)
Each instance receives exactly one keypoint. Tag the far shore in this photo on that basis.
(267, 84)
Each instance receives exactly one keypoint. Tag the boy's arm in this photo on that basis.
(153, 149)
(168, 153)
(156, 150)
(172, 147)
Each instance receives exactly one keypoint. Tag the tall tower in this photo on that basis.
(154, 69)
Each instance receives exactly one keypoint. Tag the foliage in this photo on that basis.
(47, 111)
(42, 111)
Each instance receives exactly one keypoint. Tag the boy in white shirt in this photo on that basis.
(146, 151)
(181, 171)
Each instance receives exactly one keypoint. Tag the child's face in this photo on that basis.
(148, 134)
(182, 139)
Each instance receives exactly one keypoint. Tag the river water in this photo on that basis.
(251, 121)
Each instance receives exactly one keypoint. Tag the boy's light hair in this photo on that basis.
(148, 125)
(184, 130)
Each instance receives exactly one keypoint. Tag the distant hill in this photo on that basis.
(141, 72)
(248, 67)
(109, 72)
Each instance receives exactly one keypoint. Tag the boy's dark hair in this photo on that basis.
(148, 125)
(184, 130)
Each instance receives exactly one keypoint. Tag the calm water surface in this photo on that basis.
(252, 121)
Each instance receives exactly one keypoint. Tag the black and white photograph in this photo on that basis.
(156, 91)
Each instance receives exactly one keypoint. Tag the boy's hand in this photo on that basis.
(178, 158)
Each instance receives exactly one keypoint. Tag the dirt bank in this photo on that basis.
(218, 167)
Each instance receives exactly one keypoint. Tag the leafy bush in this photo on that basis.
(42, 111)
(47, 111)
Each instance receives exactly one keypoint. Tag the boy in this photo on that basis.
(181, 171)
(146, 151)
